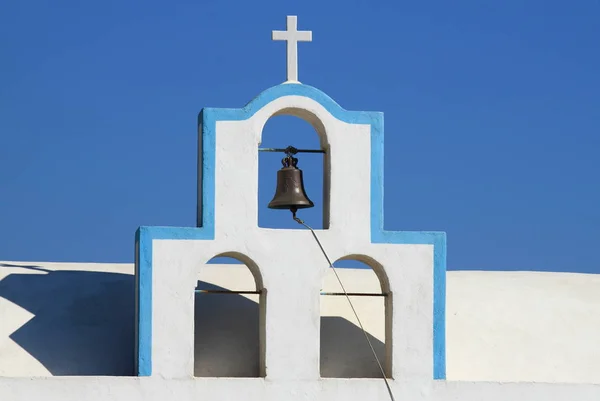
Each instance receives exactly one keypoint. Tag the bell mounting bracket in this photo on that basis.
(291, 150)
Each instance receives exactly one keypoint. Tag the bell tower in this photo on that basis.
(410, 265)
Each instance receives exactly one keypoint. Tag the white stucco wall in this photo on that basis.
(501, 326)
(287, 264)
(515, 326)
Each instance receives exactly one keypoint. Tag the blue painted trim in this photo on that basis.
(144, 238)
(207, 122)
(143, 272)
(438, 240)
(137, 305)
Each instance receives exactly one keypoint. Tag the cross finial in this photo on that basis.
(292, 36)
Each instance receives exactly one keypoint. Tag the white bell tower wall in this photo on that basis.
(289, 264)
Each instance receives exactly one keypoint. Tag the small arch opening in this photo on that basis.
(229, 318)
(279, 132)
(345, 353)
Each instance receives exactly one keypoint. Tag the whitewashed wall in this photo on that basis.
(501, 326)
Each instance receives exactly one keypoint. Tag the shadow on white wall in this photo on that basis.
(226, 342)
(83, 325)
(344, 351)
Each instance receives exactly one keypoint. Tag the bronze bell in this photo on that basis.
(290, 193)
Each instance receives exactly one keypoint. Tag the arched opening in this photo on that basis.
(279, 132)
(229, 318)
(345, 352)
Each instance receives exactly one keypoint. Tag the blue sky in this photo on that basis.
(492, 118)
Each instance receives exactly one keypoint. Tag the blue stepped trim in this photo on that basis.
(206, 221)
(143, 270)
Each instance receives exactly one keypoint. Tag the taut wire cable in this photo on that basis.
(300, 221)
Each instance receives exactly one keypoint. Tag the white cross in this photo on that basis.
(292, 36)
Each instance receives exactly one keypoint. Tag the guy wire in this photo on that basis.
(298, 220)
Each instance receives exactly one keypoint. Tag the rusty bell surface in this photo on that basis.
(290, 193)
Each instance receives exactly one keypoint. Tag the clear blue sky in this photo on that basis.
(492, 118)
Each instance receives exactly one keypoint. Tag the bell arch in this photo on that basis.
(250, 264)
(229, 318)
(377, 268)
(303, 114)
(315, 166)
(367, 286)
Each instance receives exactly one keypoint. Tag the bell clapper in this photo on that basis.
(297, 219)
